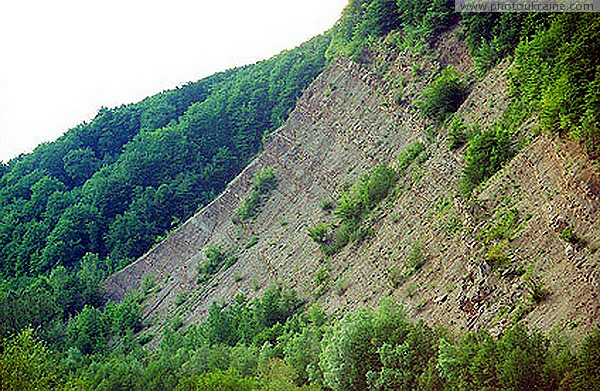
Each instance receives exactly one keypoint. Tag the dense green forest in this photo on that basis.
(275, 343)
(82, 207)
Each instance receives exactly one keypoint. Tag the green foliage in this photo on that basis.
(84, 206)
(376, 350)
(266, 344)
(556, 75)
(512, 362)
(124, 317)
(263, 184)
(503, 227)
(79, 208)
(457, 135)
(365, 21)
(45, 303)
(443, 95)
(217, 381)
(352, 209)
(322, 282)
(569, 236)
(496, 256)
(115, 185)
(493, 36)
(366, 194)
(416, 258)
(217, 258)
(536, 289)
(586, 374)
(486, 154)
(244, 321)
(25, 364)
(319, 233)
(88, 331)
(413, 153)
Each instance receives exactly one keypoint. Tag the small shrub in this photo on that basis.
(263, 184)
(322, 280)
(353, 207)
(216, 259)
(416, 258)
(457, 135)
(408, 156)
(443, 95)
(504, 229)
(364, 195)
(536, 289)
(319, 233)
(486, 154)
(571, 237)
(496, 255)
(453, 225)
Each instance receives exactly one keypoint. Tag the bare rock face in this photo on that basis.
(347, 122)
(336, 132)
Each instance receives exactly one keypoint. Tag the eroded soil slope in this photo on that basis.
(350, 119)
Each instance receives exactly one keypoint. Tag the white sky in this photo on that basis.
(61, 60)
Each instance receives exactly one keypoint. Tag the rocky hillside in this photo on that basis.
(522, 248)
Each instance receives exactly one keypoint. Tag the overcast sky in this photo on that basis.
(61, 60)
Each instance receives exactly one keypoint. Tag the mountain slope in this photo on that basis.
(440, 168)
(478, 257)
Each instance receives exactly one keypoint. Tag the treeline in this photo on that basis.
(557, 75)
(273, 343)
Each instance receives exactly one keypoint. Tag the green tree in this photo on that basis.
(26, 364)
(88, 331)
(217, 381)
(80, 165)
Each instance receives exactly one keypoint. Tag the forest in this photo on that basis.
(82, 207)
(86, 205)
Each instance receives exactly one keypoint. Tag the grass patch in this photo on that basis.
(353, 209)
(263, 184)
(217, 258)
(569, 236)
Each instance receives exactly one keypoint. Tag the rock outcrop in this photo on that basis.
(346, 123)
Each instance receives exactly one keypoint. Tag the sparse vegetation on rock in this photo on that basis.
(263, 184)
